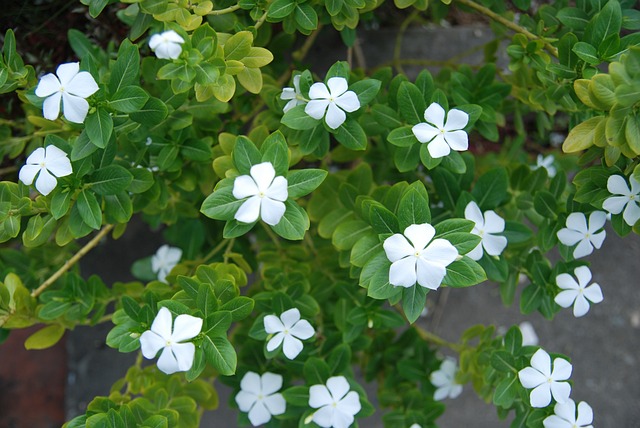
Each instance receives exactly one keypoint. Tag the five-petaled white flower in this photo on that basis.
(294, 95)
(336, 404)
(444, 381)
(577, 232)
(442, 136)
(545, 162)
(50, 162)
(165, 259)
(544, 381)
(176, 356)
(166, 45)
(259, 396)
(266, 194)
(289, 331)
(415, 257)
(565, 416)
(627, 201)
(71, 86)
(486, 226)
(577, 293)
(331, 101)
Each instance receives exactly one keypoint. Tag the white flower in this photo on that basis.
(544, 381)
(293, 95)
(529, 336)
(166, 45)
(165, 259)
(71, 86)
(577, 232)
(546, 162)
(444, 381)
(628, 201)
(258, 397)
(288, 329)
(50, 162)
(336, 404)
(415, 426)
(415, 257)
(176, 356)
(266, 194)
(441, 136)
(485, 227)
(577, 293)
(331, 101)
(565, 416)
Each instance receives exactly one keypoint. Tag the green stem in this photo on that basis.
(260, 21)
(272, 235)
(224, 11)
(437, 340)
(301, 53)
(397, 50)
(225, 256)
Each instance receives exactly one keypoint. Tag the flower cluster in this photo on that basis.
(546, 380)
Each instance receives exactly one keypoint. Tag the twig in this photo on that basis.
(301, 53)
(260, 21)
(73, 260)
(224, 11)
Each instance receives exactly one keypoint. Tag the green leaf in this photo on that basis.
(506, 392)
(152, 113)
(402, 137)
(234, 228)
(60, 204)
(110, 180)
(296, 118)
(126, 69)
(348, 233)
(586, 52)
(316, 371)
(413, 301)
(306, 17)
(220, 354)
(491, 189)
(99, 127)
(545, 204)
(251, 79)
(129, 99)
(383, 220)
(364, 249)
(257, 57)
(297, 396)
(118, 208)
(238, 46)
(386, 116)
(275, 150)
(96, 7)
(379, 286)
(301, 182)
(83, 147)
(142, 180)
(414, 206)
(464, 273)
(606, 22)
(351, 135)
(240, 307)
(503, 361)
(294, 223)
(45, 337)
(280, 9)
(245, 154)
(218, 323)
(531, 298)
(411, 103)
(581, 137)
(221, 204)
(89, 209)
(367, 90)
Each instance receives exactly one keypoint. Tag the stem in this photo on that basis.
(433, 338)
(225, 256)
(73, 260)
(301, 53)
(224, 11)
(398, 45)
(260, 21)
(509, 24)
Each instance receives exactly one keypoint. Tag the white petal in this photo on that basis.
(291, 347)
(244, 186)
(60, 167)
(472, 212)
(593, 293)
(631, 213)
(341, 419)
(263, 174)
(434, 114)
(249, 211)
(561, 391)
(402, 273)
(597, 219)
(291, 104)
(348, 101)
(577, 222)
(270, 383)
(531, 378)
(350, 404)
(440, 251)
(47, 85)
(615, 204)
(184, 353)
(581, 306)
(186, 327)
(302, 330)
(493, 222)
(635, 185)
(566, 410)
(155, 41)
(51, 106)
(167, 362)
(251, 382)
(319, 396)
(245, 400)
(555, 422)
(278, 189)
(259, 414)
(162, 324)
(83, 85)
(324, 416)
(561, 369)
(566, 282)
(275, 342)
(420, 235)
(598, 238)
(541, 361)
(272, 324)
(570, 237)
(566, 298)
(456, 119)
(438, 147)
(66, 72)
(337, 86)
(37, 156)
(429, 274)
(585, 414)
(45, 182)
(617, 185)
(335, 116)
(74, 108)
(457, 140)
(455, 391)
(172, 36)
(296, 82)
(151, 343)
(338, 387)
(287, 94)
(583, 249)
(316, 108)
(424, 132)
(28, 173)
(275, 404)
(272, 211)
(540, 396)
(439, 378)
(290, 317)
(318, 91)
(493, 244)
(476, 253)
(441, 393)
(583, 274)
(397, 247)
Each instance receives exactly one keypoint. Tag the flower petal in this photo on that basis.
(434, 114)
(319, 91)
(439, 378)
(541, 361)
(555, 422)
(438, 147)
(51, 106)
(251, 382)
(402, 273)
(566, 282)
(566, 410)
(272, 324)
(47, 85)
(397, 247)
(184, 353)
(28, 173)
(245, 400)
(583, 274)
(441, 393)
(259, 414)
(335, 116)
(631, 213)
(45, 182)
(457, 140)
(593, 293)
(531, 378)
(348, 101)
(598, 238)
(288, 94)
(455, 391)
(494, 244)
(60, 167)
(341, 419)
(581, 306)
(566, 298)
(186, 327)
(456, 119)
(440, 251)
(337, 86)
(324, 416)
(319, 396)
(291, 347)
(569, 237)
(244, 186)
(585, 414)
(302, 330)
(291, 104)
(278, 189)
(540, 396)
(263, 174)
(155, 41)
(83, 85)
(420, 235)
(162, 324)
(249, 211)
(270, 383)
(597, 219)
(493, 222)
(472, 212)
(272, 211)
(37, 157)
(275, 342)
(350, 404)
(583, 249)
(74, 108)
(615, 204)
(429, 274)
(561, 369)
(577, 222)
(424, 132)
(316, 108)
(338, 387)
(561, 391)
(172, 36)
(617, 185)
(290, 317)
(66, 72)
(275, 404)
(167, 363)
(476, 253)
(151, 343)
